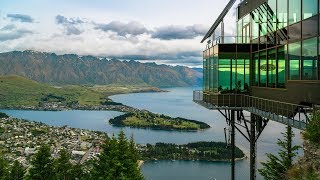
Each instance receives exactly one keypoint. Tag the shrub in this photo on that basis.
(312, 132)
(301, 173)
(3, 115)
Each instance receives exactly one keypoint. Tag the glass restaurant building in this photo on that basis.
(275, 54)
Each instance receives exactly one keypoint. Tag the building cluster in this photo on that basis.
(20, 139)
(56, 106)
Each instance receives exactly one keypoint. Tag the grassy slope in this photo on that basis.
(145, 119)
(161, 122)
(17, 91)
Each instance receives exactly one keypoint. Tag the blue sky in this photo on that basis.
(161, 31)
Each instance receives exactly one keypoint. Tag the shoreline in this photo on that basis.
(209, 161)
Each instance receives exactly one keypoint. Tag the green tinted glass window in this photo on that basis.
(281, 67)
(233, 74)
(309, 57)
(271, 68)
(205, 75)
(256, 68)
(294, 60)
(263, 69)
(282, 14)
(224, 74)
(263, 16)
(210, 67)
(294, 11)
(273, 13)
(247, 74)
(240, 73)
(215, 73)
(309, 8)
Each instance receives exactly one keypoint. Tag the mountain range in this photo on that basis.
(73, 69)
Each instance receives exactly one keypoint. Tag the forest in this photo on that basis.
(206, 151)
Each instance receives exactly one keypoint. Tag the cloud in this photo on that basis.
(133, 28)
(191, 58)
(8, 27)
(21, 18)
(70, 25)
(163, 56)
(15, 34)
(63, 20)
(179, 32)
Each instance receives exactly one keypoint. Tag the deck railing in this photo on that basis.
(286, 113)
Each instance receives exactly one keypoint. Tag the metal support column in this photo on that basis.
(222, 31)
(232, 145)
(253, 150)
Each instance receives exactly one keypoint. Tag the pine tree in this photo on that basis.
(17, 171)
(104, 165)
(3, 168)
(134, 170)
(123, 156)
(118, 160)
(63, 166)
(42, 165)
(78, 172)
(276, 166)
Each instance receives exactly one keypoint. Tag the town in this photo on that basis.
(20, 139)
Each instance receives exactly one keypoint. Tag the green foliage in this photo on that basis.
(276, 166)
(17, 171)
(118, 160)
(208, 151)
(111, 103)
(302, 173)
(11, 172)
(3, 115)
(62, 166)
(16, 91)
(42, 164)
(312, 132)
(145, 119)
(4, 170)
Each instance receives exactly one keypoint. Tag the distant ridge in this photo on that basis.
(73, 69)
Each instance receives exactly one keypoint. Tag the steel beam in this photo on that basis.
(233, 145)
(253, 147)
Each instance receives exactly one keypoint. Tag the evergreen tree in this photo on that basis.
(63, 166)
(3, 168)
(104, 165)
(78, 172)
(42, 165)
(276, 166)
(17, 171)
(118, 160)
(134, 169)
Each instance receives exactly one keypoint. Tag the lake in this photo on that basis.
(176, 102)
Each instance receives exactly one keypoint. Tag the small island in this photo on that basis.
(146, 119)
(204, 151)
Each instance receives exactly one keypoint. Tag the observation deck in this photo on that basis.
(285, 113)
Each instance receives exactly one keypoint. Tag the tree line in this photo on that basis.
(209, 151)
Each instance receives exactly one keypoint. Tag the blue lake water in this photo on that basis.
(177, 102)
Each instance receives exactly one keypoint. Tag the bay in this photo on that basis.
(176, 102)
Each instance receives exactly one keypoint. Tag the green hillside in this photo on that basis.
(16, 90)
(20, 91)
